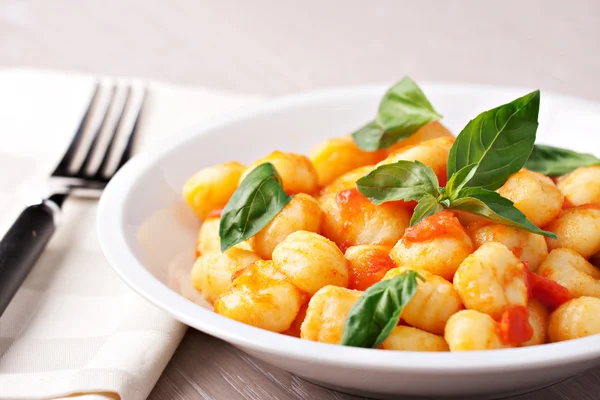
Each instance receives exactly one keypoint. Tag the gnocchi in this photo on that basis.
(577, 229)
(310, 261)
(535, 195)
(434, 302)
(412, 339)
(574, 319)
(581, 186)
(211, 188)
(350, 219)
(438, 244)
(572, 271)
(212, 272)
(261, 296)
(491, 279)
(470, 330)
(302, 213)
(326, 314)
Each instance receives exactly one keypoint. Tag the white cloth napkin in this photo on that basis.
(74, 329)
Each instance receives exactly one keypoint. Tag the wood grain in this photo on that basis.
(269, 47)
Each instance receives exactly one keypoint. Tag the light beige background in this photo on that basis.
(279, 47)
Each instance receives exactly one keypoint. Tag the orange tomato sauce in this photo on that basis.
(372, 271)
(443, 223)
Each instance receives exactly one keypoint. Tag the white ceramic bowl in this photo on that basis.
(148, 236)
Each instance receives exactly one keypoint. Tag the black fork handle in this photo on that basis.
(22, 246)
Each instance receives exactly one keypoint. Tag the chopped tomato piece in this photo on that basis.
(440, 224)
(364, 276)
(216, 213)
(514, 327)
(443, 176)
(549, 292)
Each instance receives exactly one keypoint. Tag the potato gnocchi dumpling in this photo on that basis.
(470, 330)
(577, 229)
(535, 195)
(572, 271)
(438, 244)
(527, 246)
(211, 188)
(212, 272)
(302, 213)
(491, 279)
(296, 171)
(575, 319)
(326, 314)
(311, 261)
(581, 186)
(367, 265)
(433, 303)
(412, 339)
(261, 296)
(350, 219)
(336, 156)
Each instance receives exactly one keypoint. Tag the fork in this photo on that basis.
(27, 238)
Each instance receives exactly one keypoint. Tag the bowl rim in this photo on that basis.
(111, 234)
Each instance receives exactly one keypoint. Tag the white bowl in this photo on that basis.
(148, 234)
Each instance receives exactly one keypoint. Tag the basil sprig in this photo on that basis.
(492, 146)
(402, 111)
(498, 141)
(377, 312)
(554, 161)
(256, 201)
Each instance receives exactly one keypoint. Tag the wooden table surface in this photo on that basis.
(278, 47)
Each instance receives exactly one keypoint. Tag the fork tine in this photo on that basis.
(63, 166)
(128, 150)
(95, 136)
(100, 171)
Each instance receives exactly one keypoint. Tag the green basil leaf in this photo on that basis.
(256, 201)
(492, 206)
(555, 161)
(499, 140)
(427, 206)
(377, 311)
(458, 180)
(402, 111)
(402, 180)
